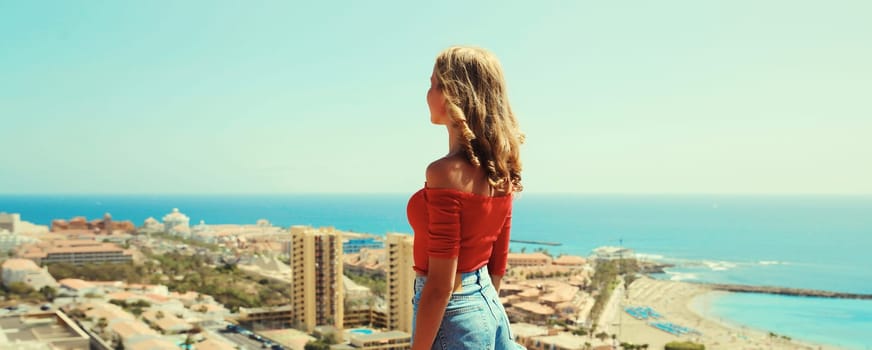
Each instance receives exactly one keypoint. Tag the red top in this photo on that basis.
(450, 223)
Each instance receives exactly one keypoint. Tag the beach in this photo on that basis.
(684, 304)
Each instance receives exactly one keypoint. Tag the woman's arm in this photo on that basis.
(434, 298)
(443, 233)
(497, 264)
(496, 279)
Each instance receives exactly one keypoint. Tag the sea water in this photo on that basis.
(815, 242)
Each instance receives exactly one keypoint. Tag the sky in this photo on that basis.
(274, 97)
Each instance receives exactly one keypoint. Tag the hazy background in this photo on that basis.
(280, 97)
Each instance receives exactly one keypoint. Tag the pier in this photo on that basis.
(554, 244)
(738, 288)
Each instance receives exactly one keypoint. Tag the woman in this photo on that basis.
(462, 216)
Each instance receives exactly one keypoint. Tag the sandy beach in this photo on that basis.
(677, 302)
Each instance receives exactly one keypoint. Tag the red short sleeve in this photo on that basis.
(497, 263)
(443, 229)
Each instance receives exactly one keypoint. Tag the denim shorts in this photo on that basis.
(474, 317)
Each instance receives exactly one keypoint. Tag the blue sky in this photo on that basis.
(192, 97)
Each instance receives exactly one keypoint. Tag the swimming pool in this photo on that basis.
(361, 331)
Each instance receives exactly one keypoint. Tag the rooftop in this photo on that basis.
(48, 328)
(535, 308)
(20, 264)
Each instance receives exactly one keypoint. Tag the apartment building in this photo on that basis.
(400, 281)
(316, 261)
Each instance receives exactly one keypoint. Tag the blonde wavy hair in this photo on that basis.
(472, 81)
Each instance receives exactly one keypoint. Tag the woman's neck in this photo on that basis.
(455, 141)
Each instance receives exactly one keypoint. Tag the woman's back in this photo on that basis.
(454, 217)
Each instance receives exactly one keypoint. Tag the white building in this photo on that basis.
(27, 272)
(177, 223)
(613, 253)
(9, 240)
(10, 222)
(152, 225)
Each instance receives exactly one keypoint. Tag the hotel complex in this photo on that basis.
(400, 281)
(316, 261)
(77, 251)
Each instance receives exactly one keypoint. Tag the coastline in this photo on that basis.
(687, 305)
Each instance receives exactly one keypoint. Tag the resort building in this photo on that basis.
(528, 259)
(27, 272)
(369, 340)
(279, 317)
(400, 281)
(10, 222)
(74, 252)
(540, 338)
(316, 261)
(365, 315)
(48, 330)
(570, 261)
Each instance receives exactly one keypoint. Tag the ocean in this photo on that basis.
(816, 242)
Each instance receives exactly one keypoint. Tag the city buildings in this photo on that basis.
(528, 259)
(10, 222)
(266, 317)
(316, 261)
(400, 281)
(46, 330)
(369, 340)
(540, 338)
(370, 262)
(9, 241)
(74, 252)
(104, 226)
(27, 272)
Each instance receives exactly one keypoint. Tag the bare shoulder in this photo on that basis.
(446, 173)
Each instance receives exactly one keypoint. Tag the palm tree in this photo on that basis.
(189, 340)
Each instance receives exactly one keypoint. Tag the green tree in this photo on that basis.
(19, 288)
(602, 336)
(48, 292)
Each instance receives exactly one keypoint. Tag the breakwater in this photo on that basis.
(536, 242)
(739, 288)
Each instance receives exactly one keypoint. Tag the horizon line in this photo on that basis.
(211, 194)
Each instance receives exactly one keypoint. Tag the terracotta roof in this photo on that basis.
(535, 308)
(570, 260)
(525, 256)
(126, 329)
(20, 264)
(76, 284)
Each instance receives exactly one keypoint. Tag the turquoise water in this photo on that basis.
(817, 242)
(361, 331)
(847, 323)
